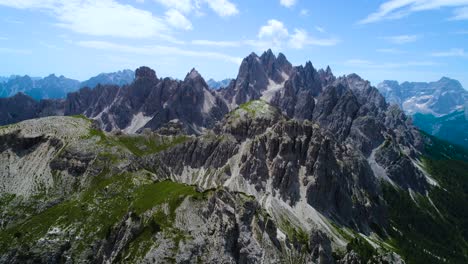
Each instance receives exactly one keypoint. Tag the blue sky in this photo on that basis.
(416, 40)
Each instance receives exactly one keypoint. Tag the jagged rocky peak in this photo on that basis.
(193, 74)
(194, 77)
(277, 69)
(354, 82)
(145, 72)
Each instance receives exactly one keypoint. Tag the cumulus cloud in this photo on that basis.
(222, 7)
(98, 18)
(112, 18)
(395, 9)
(274, 31)
(275, 35)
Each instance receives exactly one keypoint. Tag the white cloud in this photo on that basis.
(184, 6)
(451, 53)
(304, 12)
(158, 50)
(98, 18)
(288, 3)
(178, 20)
(274, 32)
(402, 39)
(395, 9)
(223, 8)
(301, 38)
(274, 35)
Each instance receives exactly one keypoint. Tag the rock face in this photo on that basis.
(257, 77)
(22, 107)
(292, 165)
(150, 102)
(438, 98)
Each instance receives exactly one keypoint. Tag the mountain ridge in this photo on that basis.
(286, 163)
(57, 87)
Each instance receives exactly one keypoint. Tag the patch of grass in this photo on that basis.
(163, 192)
(296, 234)
(362, 248)
(81, 117)
(141, 145)
(96, 210)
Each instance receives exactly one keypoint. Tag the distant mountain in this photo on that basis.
(218, 84)
(119, 78)
(50, 87)
(53, 87)
(438, 98)
(437, 107)
(452, 127)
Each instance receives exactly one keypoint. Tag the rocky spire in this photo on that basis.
(145, 72)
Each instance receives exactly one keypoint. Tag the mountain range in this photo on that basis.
(215, 85)
(286, 164)
(438, 108)
(452, 127)
(54, 87)
(437, 98)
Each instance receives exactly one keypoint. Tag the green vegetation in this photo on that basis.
(362, 248)
(141, 145)
(254, 108)
(452, 127)
(90, 215)
(428, 234)
(81, 117)
(295, 234)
